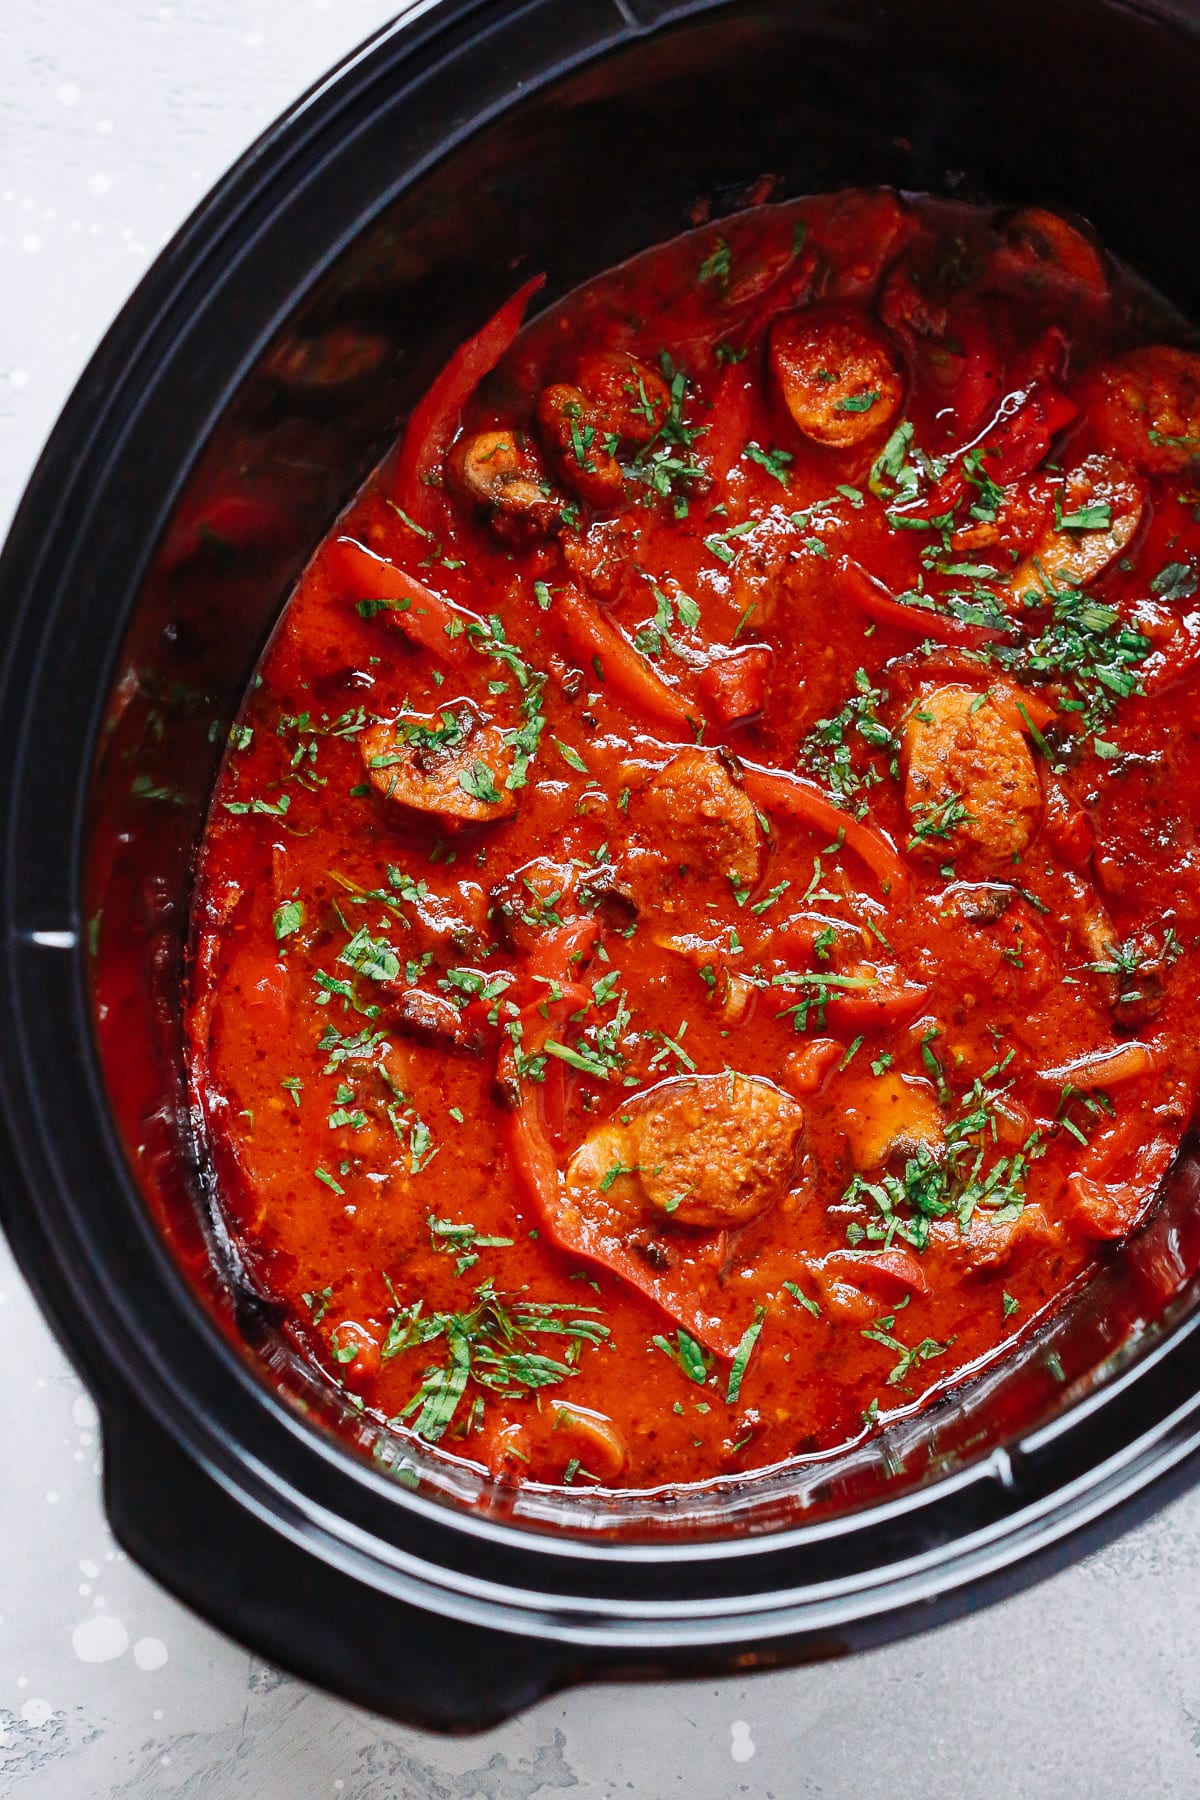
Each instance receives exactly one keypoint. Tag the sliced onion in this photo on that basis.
(1105, 1068)
(604, 1451)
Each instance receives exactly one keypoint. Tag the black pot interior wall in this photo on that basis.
(1076, 104)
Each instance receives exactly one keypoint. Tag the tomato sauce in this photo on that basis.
(695, 947)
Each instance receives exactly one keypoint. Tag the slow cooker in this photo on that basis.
(255, 376)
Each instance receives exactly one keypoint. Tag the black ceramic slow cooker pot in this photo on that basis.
(232, 410)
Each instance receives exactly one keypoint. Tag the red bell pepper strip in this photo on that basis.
(729, 426)
(558, 955)
(1066, 824)
(1105, 1067)
(1109, 1205)
(808, 1066)
(777, 789)
(855, 585)
(882, 1005)
(1022, 709)
(887, 1273)
(1030, 418)
(1174, 656)
(435, 417)
(977, 387)
(536, 1027)
(626, 672)
(1019, 443)
(732, 686)
(426, 617)
(533, 1158)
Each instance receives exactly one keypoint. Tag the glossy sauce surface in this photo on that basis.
(695, 946)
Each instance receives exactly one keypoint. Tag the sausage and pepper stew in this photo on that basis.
(697, 940)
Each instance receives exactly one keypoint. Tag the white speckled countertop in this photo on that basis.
(115, 116)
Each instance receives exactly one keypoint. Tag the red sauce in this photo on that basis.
(695, 946)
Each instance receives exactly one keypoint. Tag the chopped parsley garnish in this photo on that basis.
(677, 612)
(350, 1118)
(571, 757)
(493, 1346)
(369, 609)
(856, 403)
(524, 741)
(1173, 443)
(665, 464)
(463, 1241)
(716, 264)
(318, 1303)
(776, 462)
(1123, 960)
(1085, 647)
(480, 784)
(370, 956)
(614, 1173)
(801, 1298)
(719, 541)
(893, 475)
(937, 819)
(769, 899)
(818, 987)
(448, 735)
(954, 1178)
(1097, 516)
(275, 809)
(585, 1060)
(671, 1047)
(742, 1355)
(344, 1344)
(288, 918)
(909, 1357)
(341, 1049)
(828, 750)
(686, 1352)
(1176, 581)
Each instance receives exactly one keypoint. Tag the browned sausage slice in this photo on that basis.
(890, 1116)
(628, 399)
(837, 375)
(452, 764)
(1045, 255)
(700, 821)
(580, 447)
(1100, 509)
(971, 780)
(1145, 405)
(708, 1151)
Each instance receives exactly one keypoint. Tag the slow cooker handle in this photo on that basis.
(285, 1603)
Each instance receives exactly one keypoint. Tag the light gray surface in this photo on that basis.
(115, 116)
